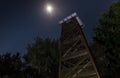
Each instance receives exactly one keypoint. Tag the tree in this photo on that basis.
(43, 54)
(107, 36)
(11, 66)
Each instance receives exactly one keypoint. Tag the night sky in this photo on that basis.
(22, 20)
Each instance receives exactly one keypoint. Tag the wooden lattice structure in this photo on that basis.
(76, 60)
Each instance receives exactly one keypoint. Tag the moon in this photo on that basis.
(49, 8)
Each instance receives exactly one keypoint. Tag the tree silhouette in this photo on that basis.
(107, 37)
(43, 55)
(11, 66)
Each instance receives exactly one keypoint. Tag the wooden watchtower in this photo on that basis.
(76, 59)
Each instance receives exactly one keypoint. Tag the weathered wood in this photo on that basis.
(76, 60)
(75, 56)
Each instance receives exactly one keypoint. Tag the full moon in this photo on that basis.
(49, 8)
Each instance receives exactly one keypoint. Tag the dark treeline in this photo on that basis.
(106, 44)
(11, 66)
(41, 59)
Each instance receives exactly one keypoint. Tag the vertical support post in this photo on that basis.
(89, 53)
(59, 69)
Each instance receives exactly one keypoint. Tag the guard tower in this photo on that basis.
(76, 60)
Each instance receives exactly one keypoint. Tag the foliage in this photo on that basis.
(107, 37)
(43, 54)
(11, 66)
(41, 61)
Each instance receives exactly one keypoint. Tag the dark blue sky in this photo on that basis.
(22, 20)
